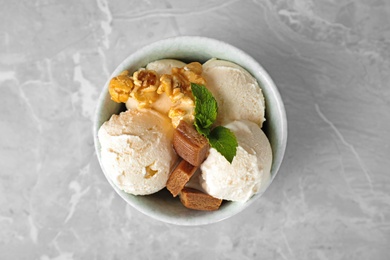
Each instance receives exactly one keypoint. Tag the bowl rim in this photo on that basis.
(255, 67)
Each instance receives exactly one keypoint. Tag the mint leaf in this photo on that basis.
(224, 141)
(206, 108)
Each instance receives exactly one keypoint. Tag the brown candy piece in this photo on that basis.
(189, 144)
(195, 199)
(180, 176)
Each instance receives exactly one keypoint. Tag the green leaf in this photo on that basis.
(224, 141)
(206, 108)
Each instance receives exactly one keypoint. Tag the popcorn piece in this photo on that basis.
(192, 72)
(147, 80)
(180, 176)
(146, 87)
(178, 84)
(184, 110)
(189, 144)
(165, 85)
(146, 83)
(120, 87)
(178, 87)
(195, 199)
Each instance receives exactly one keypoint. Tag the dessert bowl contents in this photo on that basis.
(137, 145)
(139, 86)
(168, 93)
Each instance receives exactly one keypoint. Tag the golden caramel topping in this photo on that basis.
(192, 72)
(120, 87)
(149, 172)
(146, 79)
(146, 83)
(178, 84)
(146, 86)
(165, 84)
(183, 110)
(195, 67)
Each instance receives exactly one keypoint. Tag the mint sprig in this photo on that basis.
(224, 141)
(206, 110)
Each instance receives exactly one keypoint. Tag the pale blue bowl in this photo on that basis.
(162, 205)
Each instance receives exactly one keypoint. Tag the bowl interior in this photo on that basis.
(162, 205)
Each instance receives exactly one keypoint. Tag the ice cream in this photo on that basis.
(178, 106)
(163, 104)
(136, 150)
(237, 92)
(249, 170)
(164, 66)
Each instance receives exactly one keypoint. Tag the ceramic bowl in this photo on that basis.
(162, 205)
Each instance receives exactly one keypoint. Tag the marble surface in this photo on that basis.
(331, 62)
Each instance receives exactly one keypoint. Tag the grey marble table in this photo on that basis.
(331, 62)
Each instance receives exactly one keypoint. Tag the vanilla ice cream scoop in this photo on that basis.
(237, 92)
(163, 103)
(249, 171)
(164, 66)
(136, 151)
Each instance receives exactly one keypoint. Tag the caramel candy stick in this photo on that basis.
(180, 176)
(195, 199)
(189, 144)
